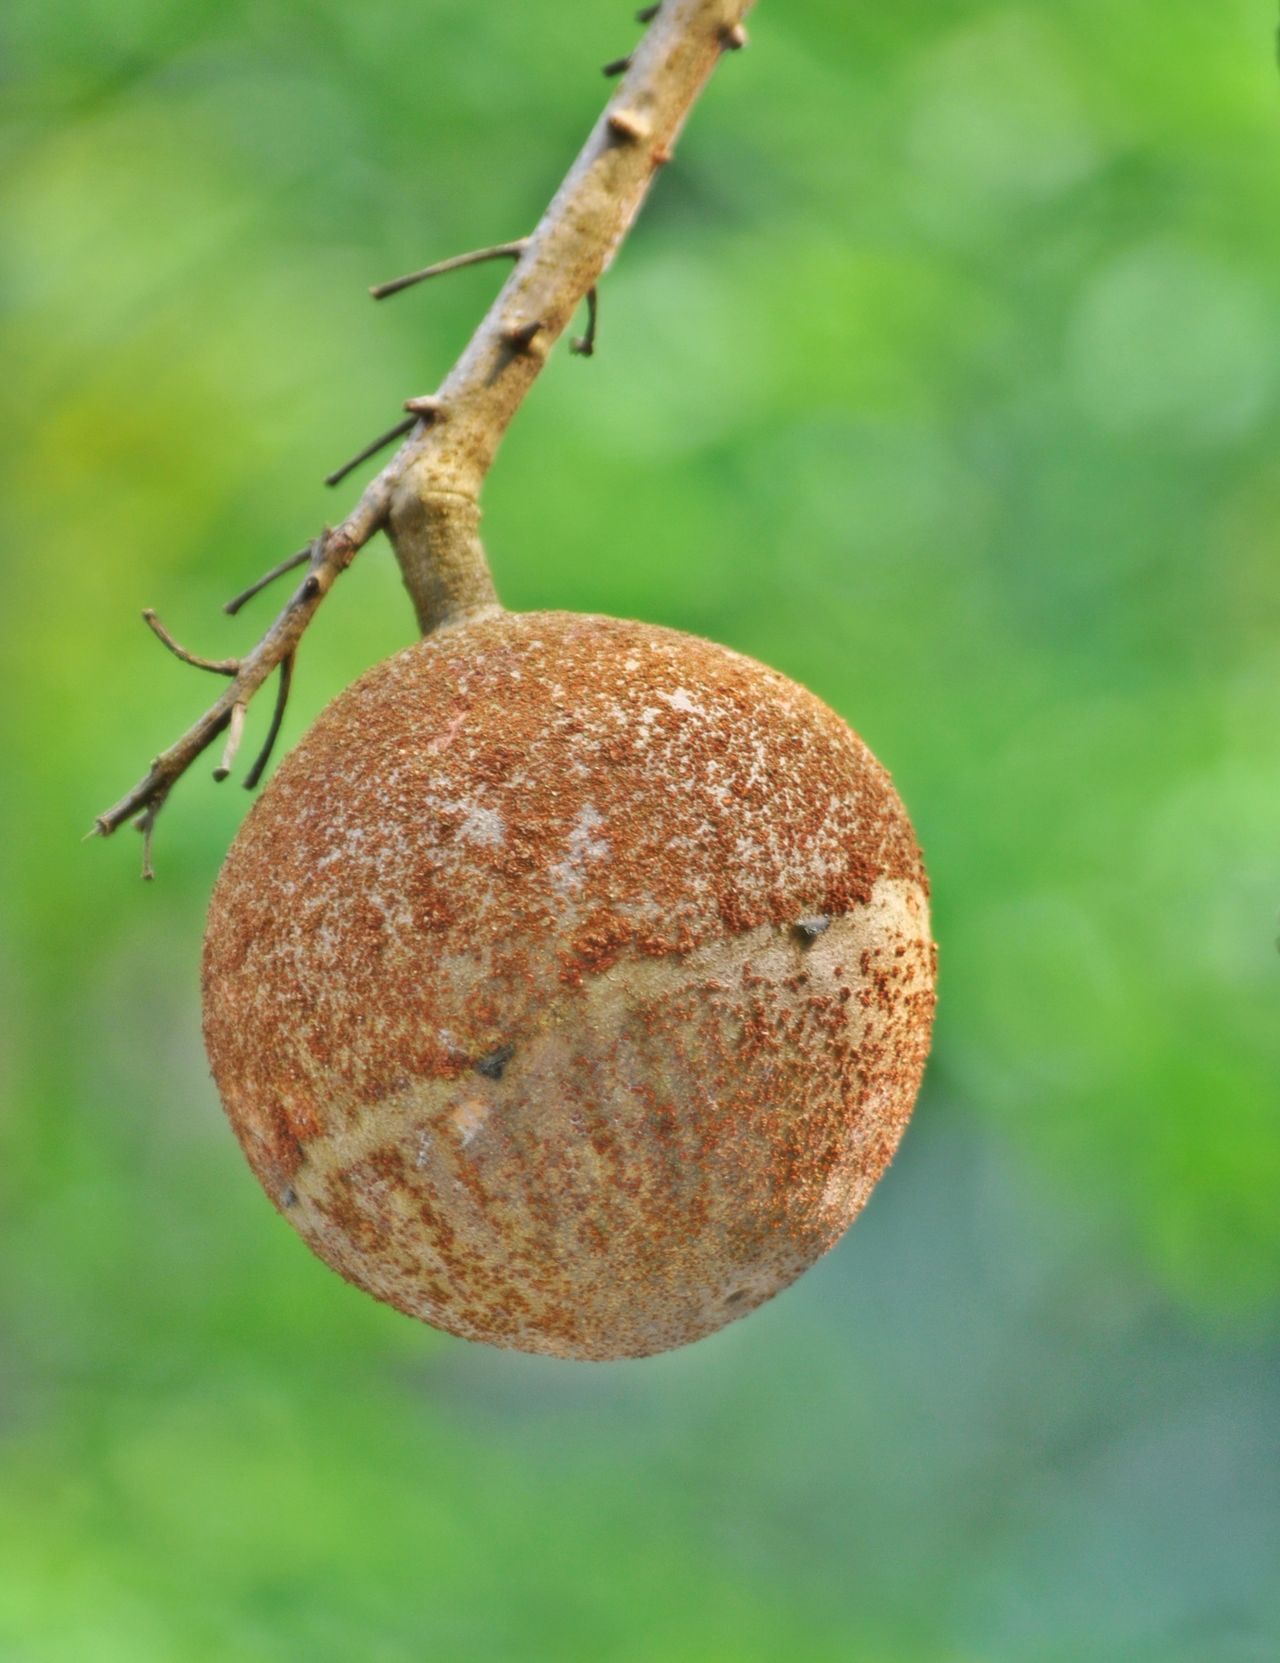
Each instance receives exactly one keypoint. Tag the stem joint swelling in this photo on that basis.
(425, 498)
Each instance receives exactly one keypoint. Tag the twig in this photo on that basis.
(219, 666)
(146, 824)
(277, 717)
(585, 345)
(235, 733)
(372, 449)
(456, 262)
(330, 556)
(233, 606)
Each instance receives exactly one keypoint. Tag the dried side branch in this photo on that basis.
(235, 733)
(330, 555)
(499, 251)
(146, 824)
(372, 449)
(219, 666)
(277, 719)
(585, 345)
(233, 606)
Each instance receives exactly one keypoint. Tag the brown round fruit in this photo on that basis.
(570, 985)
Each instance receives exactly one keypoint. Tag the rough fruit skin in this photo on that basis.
(570, 985)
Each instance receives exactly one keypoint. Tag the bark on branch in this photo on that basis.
(426, 498)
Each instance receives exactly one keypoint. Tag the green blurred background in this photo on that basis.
(943, 373)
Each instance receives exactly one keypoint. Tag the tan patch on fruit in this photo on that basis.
(571, 983)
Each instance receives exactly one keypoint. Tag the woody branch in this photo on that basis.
(427, 497)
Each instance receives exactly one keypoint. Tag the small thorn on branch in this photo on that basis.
(585, 345)
(233, 606)
(521, 336)
(499, 251)
(235, 733)
(218, 666)
(734, 38)
(371, 449)
(277, 717)
(428, 409)
(646, 14)
(626, 124)
(616, 66)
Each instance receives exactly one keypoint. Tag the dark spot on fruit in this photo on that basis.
(809, 929)
(494, 1065)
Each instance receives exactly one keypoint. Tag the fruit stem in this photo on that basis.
(437, 542)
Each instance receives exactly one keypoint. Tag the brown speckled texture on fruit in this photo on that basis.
(508, 1000)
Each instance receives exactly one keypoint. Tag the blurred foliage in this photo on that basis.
(941, 373)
